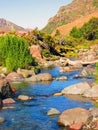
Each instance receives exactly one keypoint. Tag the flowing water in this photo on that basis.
(31, 115)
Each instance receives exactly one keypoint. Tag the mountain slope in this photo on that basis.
(7, 26)
(67, 14)
(65, 29)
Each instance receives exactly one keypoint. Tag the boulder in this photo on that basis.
(53, 111)
(40, 77)
(35, 51)
(24, 97)
(25, 73)
(91, 92)
(13, 76)
(44, 77)
(73, 116)
(78, 88)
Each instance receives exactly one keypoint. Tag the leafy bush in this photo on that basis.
(14, 53)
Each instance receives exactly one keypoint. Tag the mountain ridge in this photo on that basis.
(6, 26)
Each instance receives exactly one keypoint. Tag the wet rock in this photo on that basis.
(9, 101)
(13, 76)
(40, 77)
(53, 111)
(57, 94)
(2, 119)
(73, 116)
(78, 88)
(24, 97)
(62, 78)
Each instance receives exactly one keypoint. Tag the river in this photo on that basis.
(31, 115)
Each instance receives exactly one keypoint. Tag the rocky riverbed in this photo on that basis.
(34, 101)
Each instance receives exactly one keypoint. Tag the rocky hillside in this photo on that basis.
(67, 14)
(7, 26)
(65, 29)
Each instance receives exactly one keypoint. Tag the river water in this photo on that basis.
(31, 115)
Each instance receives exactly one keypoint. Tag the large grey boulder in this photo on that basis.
(78, 88)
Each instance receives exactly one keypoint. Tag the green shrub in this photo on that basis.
(75, 32)
(14, 53)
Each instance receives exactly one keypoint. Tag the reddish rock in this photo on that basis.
(73, 116)
(13, 76)
(35, 51)
(76, 126)
(8, 101)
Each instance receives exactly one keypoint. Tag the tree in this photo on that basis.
(14, 52)
(75, 32)
(90, 29)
